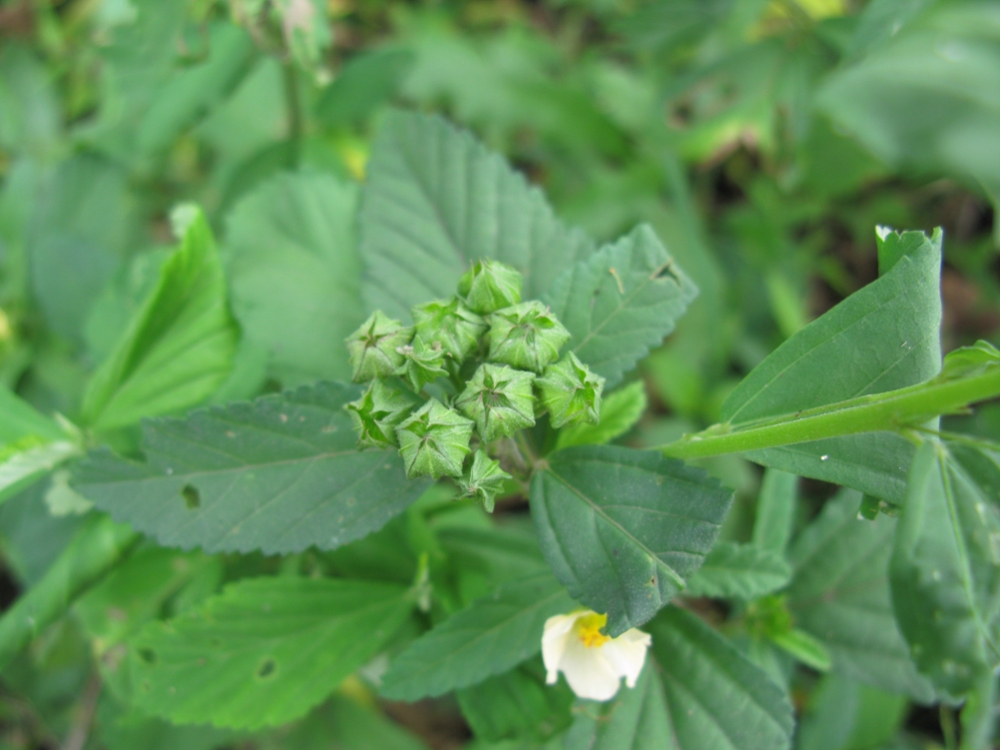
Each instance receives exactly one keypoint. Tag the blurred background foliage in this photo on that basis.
(763, 139)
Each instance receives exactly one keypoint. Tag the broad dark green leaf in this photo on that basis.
(366, 82)
(295, 274)
(279, 474)
(882, 337)
(516, 705)
(740, 571)
(96, 548)
(624, 529)
(620, 411)
(705, 694)
(435, 201)
(840, 594)
(179, 346)
(945, 572)
(494, 634)
(264, 651)
(621, 302)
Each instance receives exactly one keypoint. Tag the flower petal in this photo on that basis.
(554, 635)
(627, 654)
(589, 674)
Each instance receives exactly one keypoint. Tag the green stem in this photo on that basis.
(893, 411)
(293, 103)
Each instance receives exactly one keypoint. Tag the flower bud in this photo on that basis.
(373, 346)
(434, 441)
(484, 480)
(376, 414)
(490, 285)
(526, 336)
(571, 392)
(500, 400)
(451, 324)
(422, 363)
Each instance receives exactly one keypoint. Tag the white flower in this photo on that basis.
(593, 663)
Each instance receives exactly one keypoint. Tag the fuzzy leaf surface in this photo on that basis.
(495, 633)
(624, 529)
(435, 201)
(945, 572)
(840, 594)
(740, 571)
(279, 474)
(264, 651)
(621, 302)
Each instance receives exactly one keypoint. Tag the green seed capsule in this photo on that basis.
(451, 324)
(490, 285)
(422, 363)
(373, 347)
(434, 441)
(500, 400)
(571, 392)
(376, 414)
(526, 336)
(484, 480)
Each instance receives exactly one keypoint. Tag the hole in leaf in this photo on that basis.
(147, 655)
(266, 669)
(192, 498)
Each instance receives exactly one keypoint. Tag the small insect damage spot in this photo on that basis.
(667, 270)
(266, 669)
(192, 498)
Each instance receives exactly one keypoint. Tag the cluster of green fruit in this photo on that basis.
(497, 358)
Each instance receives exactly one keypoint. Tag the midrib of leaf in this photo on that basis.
(674, 575)
(963, 551)
(621, 306)
(841, 332)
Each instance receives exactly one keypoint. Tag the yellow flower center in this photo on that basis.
(588, 628)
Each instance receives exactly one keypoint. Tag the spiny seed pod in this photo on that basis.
(500, 400)
(376, 414)
(451, 324)
(422, 364)
(490, 285)
(526, 336)
(373, 347)
(571, 392)
(434, 441)
(484, 480)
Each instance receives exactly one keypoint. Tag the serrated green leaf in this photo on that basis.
(775, 515)
(624, 529)
(619, 413)
(279, 474)
(516, 705)
(264, 651)
(704, 695)
(295, 273)
(945, 573)
(426, 180)
(177, 349)
(494, 634)
(96, 548)
(840, 594)
(739, 571)
(883, 337)
(621, 302)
